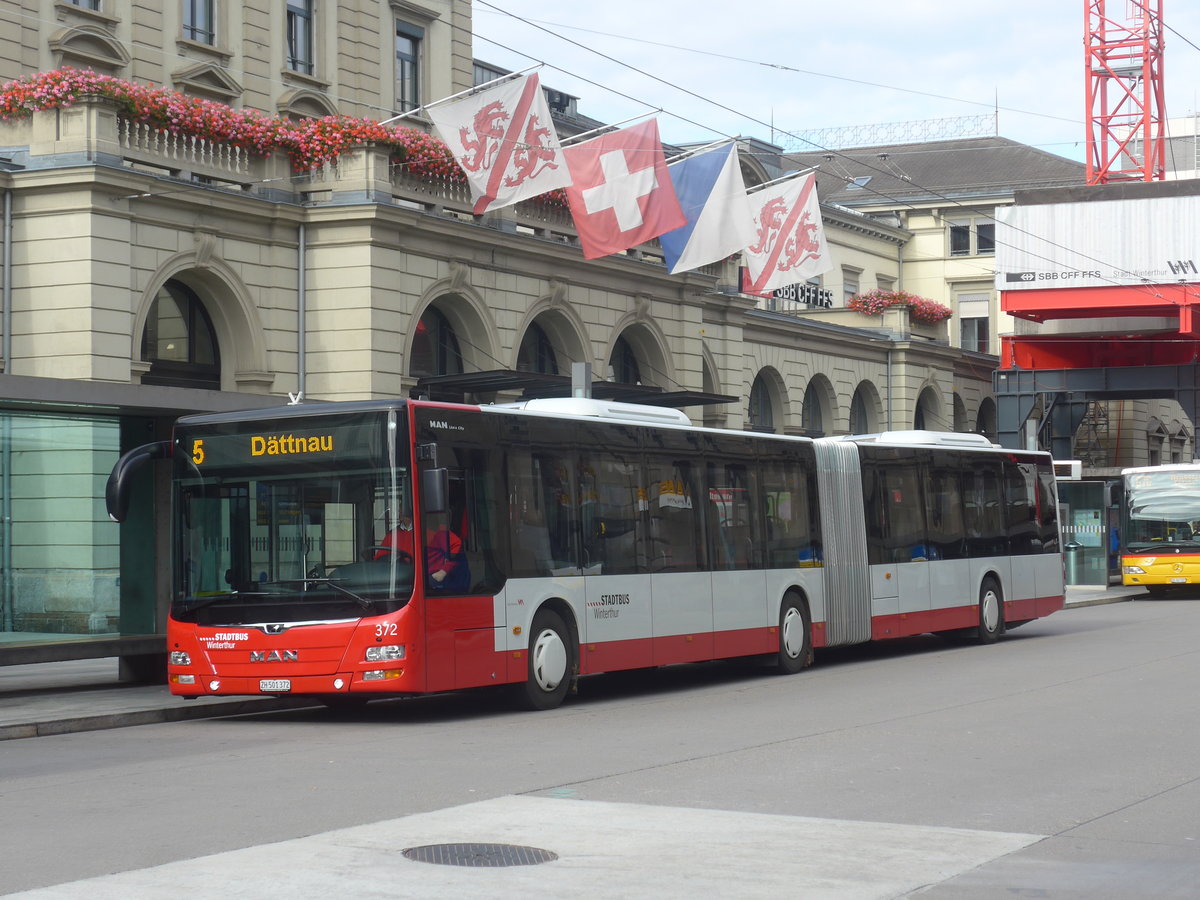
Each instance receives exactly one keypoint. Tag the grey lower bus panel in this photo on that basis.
(843, 524)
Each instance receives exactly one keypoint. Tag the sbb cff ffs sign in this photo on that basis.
(804, 293)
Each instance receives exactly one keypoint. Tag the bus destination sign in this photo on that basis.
(305, 443)
(1163, 480)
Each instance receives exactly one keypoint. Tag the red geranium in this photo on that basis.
(310, 143)
(921, 309)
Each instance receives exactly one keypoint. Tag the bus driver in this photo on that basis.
(443, 553)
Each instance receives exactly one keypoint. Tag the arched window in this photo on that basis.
(860, 415)
(761, 412)
(179, 341)
(960, 415)
(925, 416)
(985, 421)
(435, 347)
(812, 416)
(623, 367)
(536, 353)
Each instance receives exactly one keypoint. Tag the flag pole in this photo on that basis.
(604, 128)
(466, 93)
(696, 151)
(765, 184)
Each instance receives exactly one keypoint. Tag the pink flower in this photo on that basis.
(921, 309)
(310, 143)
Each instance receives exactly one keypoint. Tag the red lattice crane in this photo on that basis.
(1126, 114)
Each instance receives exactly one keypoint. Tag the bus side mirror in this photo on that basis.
(435, 490)
(116, 492)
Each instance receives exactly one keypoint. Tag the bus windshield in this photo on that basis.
(282, 521)
(1162, 508)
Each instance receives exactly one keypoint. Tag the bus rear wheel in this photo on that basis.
(991, 612)
(551, 662)
(795, 636)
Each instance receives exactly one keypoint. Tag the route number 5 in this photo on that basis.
(198, 451)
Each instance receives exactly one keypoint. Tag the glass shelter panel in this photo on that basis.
(1084, 531)
(59, 565)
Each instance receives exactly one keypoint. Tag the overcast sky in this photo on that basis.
(800, 67)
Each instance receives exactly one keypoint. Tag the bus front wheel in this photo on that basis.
(795, 636)
(551, 662)
(991, 612)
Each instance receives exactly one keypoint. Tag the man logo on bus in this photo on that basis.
(274, 656)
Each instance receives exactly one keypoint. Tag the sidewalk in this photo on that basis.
(1094, 595)
(85, 694)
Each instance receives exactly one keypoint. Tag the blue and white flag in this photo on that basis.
(720, 222)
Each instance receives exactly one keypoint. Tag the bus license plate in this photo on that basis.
(275, 685)
(1178, 581)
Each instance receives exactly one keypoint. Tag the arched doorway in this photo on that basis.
(179, 342)
(864, 409)
(960, 415)
(985, 419)
(536, 353)
(764, 404)
(713, 415)
(623, 366)
(816, 418)
(926, 416)
(435, 348)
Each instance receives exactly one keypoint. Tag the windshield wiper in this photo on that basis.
(201, 602)
(360, 600)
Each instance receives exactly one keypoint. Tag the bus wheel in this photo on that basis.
(795, 636)
(991, 612)
(551, 662)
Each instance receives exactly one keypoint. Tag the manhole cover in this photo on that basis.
(480, 855)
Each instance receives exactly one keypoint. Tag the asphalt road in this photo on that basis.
(1059, 763)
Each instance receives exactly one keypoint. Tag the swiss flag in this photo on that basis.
(620, 193)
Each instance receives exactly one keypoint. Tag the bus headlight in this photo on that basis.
(385, 653)
(179, 658)
(1134, 570)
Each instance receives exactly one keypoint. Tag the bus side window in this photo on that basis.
(541, 517)
(730, 517)
(674, 534)
(527, 516)
(1048, 510)
(876, 513)
(1020, 509)
(903, 533)
(944, 512)
(475, 516)
(611, 498)
(788, 538)
(553, 474)
(983, 511)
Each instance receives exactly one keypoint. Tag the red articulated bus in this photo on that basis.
(556, 538)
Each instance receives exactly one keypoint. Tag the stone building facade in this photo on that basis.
(147, 276)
